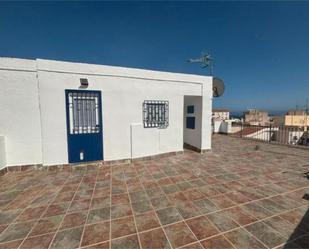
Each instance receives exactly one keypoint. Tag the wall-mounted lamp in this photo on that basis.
(83, 83)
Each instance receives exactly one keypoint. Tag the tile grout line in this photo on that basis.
(237, 205)
(89, 208)
(81, 180)
(138, 238)
(41, 216)
(154, 210)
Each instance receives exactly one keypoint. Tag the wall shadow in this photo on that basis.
(300, 237)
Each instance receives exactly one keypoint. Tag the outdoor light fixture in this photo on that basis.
(83, 83)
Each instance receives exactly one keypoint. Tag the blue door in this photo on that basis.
(84, 125)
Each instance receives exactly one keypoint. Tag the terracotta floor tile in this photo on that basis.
(138, 196)
(6, 217)
(273, 207)
(238, 197)
(122, 227)
(266, 234)
(184, 186)
(104, 245)
(168, 215)
(57, 209)
(201, 227)
(121, 210)
(2, 228)
(83, 194)
(205, 206)
(187, 209)
(179, 234)
(218, 242)
(100, 202)
(31, 214)
(232, 175)
(160, 202)
(68, 239)
(284, 227)
(154, 239)
(11, 245)
(154, 192)
(170, 189)
(39, 242)
(16, 231)
(146, 221)
(125, 243)
(222, 201)
(285, 202)
(47, 225)
(98, 215)
(241, 239)
(141, 207)
(256, 210)
(101, 192)
(164, 181)
(79, 205)
(222, 221)
(120, 199)
(240, 216)
(177, 197)
(96, 233)
(74, 220)
(193, 194)
(196, 245)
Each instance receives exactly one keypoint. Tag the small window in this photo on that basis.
(155, 114)
(190, 109)
(83, 113)
(190, 123)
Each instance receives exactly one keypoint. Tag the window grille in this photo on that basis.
(155, 114)
(84, 113)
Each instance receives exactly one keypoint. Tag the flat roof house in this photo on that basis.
(55, 113)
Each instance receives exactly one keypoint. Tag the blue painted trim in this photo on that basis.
(190, 122)
(93, 143)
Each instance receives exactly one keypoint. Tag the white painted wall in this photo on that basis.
(123, 92)
(2, 152)
(206, 114)
(19, 112)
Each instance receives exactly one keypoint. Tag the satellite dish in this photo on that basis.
(217, 87)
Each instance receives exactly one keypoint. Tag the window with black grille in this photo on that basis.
(84, 113)
(155, 113)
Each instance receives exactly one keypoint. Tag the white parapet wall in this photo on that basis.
(19, 111)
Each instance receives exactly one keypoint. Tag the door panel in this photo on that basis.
(84, 125)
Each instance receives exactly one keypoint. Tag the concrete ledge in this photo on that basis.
(157, 156)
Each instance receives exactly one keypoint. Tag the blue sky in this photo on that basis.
(261, 48)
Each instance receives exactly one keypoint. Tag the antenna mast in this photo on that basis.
(206, 60)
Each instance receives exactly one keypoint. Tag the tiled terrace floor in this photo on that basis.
(233, 197)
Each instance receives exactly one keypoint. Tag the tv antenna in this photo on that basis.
(206, 60)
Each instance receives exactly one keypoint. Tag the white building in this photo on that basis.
(220, 114)
(49, 116)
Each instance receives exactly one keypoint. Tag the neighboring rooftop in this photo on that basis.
(220, 110)
(239, 194)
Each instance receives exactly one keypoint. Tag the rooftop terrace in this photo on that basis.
(240, 195)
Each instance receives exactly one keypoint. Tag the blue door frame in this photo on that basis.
(84, 125)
